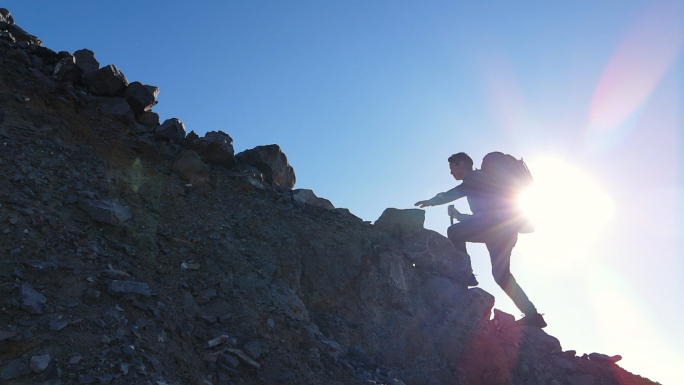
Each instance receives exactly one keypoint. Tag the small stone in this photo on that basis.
(253, 348)
(75, 359)
(40, 363)
(217, 341)
(270, 323)
(58, 324)
(227, 361)
(31, 300)
(244, 357)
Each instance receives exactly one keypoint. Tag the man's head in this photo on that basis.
(460, 165)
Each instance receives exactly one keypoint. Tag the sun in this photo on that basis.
(568, 208)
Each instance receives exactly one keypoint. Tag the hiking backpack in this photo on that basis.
(510, 174)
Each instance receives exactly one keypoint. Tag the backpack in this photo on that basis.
(507, 173)
(507, 177)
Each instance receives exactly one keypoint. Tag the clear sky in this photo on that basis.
(369, 98)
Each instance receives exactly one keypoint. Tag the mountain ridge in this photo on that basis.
(137, 253)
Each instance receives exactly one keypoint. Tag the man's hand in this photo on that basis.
(422, 204)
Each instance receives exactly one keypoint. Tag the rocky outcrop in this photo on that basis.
(272, 162)
(308, 197)
(172, 130)
(216, 148)
(106, 81)
(141, 97)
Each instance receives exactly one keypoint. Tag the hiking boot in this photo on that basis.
(535, 320)
(472, 281)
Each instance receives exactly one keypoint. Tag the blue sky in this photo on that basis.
(368, 99)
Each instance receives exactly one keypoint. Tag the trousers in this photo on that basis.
(500, 238)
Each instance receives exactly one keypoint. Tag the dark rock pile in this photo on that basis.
(134, 253)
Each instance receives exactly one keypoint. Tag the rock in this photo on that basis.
(191, 168)
(31, 300)
(116, 108)
(149, 119)
(141, 97)
(129, 287)
(105, 211)
(399, 222)
(272, 162)
(598, 357)
(168, 149)
(66, 70)
(14, 369)
(5, 16)
(107, 81)
(19, 34)
(85, 60)
(244, 357)
(253, 348)
(58, 324)
(40, 363)
(146, 145)
(172, 129)
(216, 148)
(227, 361)
(49, 56)
(217, 341)
(307, 197)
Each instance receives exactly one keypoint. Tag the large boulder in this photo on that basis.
(216, 148)
(66, 70)
(399, 221)
(107, 81)
(172, 129)
(149, 119)
(141, 97)
(85, 60)
(191, 168)
(309, 198)
(116, 108)
(272, 162)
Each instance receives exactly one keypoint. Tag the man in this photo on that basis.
(495, 222)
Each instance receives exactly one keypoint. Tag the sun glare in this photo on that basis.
(567, 207)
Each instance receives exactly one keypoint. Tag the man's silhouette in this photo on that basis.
(495, 222)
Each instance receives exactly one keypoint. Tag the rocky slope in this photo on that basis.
(136, 253)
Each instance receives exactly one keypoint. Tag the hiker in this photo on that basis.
(495, 222)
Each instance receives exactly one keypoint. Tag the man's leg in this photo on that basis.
(500, 249)
(471, 230)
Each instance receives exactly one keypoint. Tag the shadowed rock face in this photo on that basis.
(134, 275)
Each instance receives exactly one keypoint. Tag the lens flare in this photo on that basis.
(566, 206)
(648, 50)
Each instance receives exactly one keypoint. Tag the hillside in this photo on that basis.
(137, 253)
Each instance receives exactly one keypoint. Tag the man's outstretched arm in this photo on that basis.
(442, 198)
